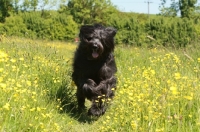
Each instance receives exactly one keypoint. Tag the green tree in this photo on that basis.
(46, 5)
(169, 11)
(29, 5)
(37, 4)
(34, 4)
(89, 11)
(5, 8)
(25, 5)
(15, 5)
(186, 8)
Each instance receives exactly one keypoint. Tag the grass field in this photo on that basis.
(158, 90)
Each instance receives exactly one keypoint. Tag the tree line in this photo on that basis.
(60, 20)
(186, 8)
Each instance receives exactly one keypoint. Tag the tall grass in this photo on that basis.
(158, 89)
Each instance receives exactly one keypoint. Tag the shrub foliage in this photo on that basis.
(50, 25)
(133, 29)
(138, 30)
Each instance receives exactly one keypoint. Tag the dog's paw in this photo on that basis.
(94, 112)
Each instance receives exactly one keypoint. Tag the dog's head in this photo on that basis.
(97, 40)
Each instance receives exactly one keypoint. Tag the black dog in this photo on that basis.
(94, 67)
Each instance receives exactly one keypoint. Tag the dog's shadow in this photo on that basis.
(67, 97)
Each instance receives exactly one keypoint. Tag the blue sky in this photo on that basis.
(139, 6)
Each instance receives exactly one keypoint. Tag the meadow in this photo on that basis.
(158, 89)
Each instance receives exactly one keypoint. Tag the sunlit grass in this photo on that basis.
(158, 89)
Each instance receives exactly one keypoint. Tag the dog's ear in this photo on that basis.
(86, 29)
(111, 31)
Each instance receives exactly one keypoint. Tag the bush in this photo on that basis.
(133, 29)
(138, 31)
(172, 31)
(14, 26)
(55, 27)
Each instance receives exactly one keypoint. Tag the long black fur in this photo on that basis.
(94, 67)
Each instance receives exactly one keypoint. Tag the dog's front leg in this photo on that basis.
(106, 85)
(89, 89)
(85, 90)
(104, 90)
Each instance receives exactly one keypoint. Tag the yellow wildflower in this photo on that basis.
(6, 106)
(198, 60)
(3, 54)
(177, 76)
(188, 97)
(174, 90)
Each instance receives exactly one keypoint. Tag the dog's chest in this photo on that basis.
(90, 69)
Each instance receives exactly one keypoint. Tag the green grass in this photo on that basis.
(158, 89)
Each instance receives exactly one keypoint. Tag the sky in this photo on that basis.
(139, 6)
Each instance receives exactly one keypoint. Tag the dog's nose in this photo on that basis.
(95, 46)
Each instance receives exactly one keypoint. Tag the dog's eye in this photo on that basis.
(89, 38)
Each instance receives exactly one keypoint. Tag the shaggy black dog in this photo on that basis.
(94, 67)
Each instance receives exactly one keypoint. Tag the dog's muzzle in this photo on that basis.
(95, 53)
